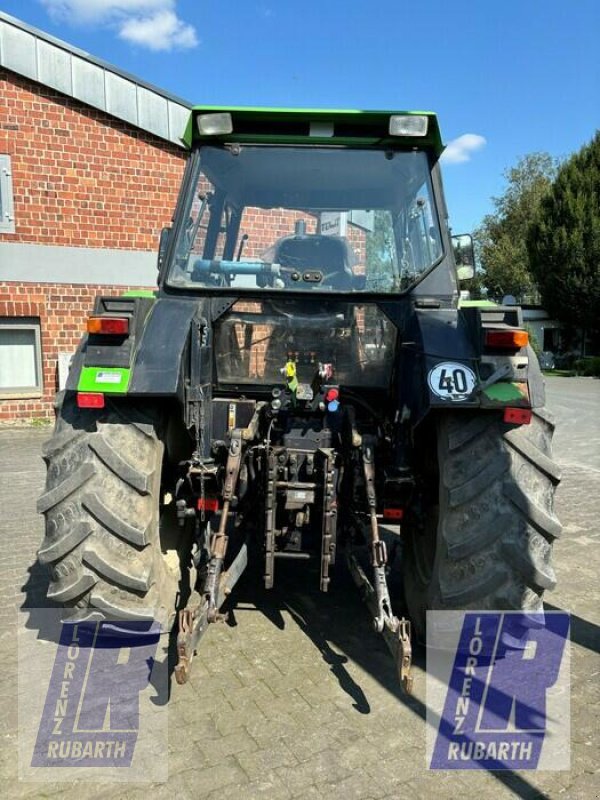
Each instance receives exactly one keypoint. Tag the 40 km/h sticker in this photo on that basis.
(452, 381)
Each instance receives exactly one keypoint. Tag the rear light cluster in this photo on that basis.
(112, 326)
(90, 400)
(517, 416)
(208, 504)
(506, 339)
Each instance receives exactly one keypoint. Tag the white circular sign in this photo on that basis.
(451, 381)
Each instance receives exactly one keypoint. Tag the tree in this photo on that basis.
(501, 239)
(564, 242)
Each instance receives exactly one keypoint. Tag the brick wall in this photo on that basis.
(81, 177)
(62, 310)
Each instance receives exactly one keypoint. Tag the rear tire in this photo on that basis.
(101, 506)
(488, 544)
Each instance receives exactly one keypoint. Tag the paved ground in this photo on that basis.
(299, 698)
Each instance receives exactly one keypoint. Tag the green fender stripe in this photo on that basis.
(108, 380)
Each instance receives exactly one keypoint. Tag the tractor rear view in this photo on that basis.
(302, 386)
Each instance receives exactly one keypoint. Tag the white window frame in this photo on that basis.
(28, 324)
(7, 220)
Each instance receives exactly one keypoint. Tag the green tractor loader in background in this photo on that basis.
(303, 383)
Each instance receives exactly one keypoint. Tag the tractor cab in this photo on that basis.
(317, 203)
(307, 218)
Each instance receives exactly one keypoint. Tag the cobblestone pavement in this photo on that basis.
(298, 697)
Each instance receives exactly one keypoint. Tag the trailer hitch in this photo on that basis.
(218, 544)
(396, 632)
(194, 619)
(204, 608)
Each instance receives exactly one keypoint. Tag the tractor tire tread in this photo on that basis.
(495, 524)
(101, 505)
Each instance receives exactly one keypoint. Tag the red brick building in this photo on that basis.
(90, 164)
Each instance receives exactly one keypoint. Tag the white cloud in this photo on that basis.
(102, 11)
(161, 31)
(149, 23)
(460, 149)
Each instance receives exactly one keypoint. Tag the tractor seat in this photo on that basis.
(330, 255)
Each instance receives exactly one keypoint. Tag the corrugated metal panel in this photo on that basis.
(88, 83)
(178, 118)
(54, 63)
(18, 51)
(121, 98)
(54, 67)
(152, 112)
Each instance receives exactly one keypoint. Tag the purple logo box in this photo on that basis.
(91, 713)
(504, 669)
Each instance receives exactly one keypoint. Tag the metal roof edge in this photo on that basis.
(173, 102)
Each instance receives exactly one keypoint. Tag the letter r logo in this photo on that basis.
(518, 683)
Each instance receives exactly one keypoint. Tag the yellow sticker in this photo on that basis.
(290, 369)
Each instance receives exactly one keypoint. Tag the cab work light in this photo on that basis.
(506, 340)
(115, 326)
(408, 125)
(214, 124)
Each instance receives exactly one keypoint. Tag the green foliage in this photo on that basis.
(501, 239)
(564, 241)
(533, 340)
(589, 367)
(41, 422)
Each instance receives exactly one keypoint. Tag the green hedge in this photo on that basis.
(589, 366)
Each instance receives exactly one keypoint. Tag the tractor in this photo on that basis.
(305, 384)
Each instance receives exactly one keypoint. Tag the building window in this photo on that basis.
(7, 214)
(20, 357)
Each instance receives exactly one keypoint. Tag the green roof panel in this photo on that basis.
(293, 126)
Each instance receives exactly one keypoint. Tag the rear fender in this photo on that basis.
(437, 358)
(443, 364)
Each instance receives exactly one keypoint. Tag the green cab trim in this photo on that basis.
(292, 126)
(108, 380)
(140, 293)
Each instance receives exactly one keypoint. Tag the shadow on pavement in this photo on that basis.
(585, 634)
(339, 620)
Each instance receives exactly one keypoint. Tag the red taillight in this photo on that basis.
(116, 326)
(517, 416)
(506, 340)
(393, 513)
(208, 504)
(90, 400)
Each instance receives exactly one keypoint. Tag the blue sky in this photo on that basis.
(506, 77)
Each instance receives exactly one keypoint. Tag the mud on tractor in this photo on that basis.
(304, 384)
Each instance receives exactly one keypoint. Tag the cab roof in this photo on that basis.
(314, 126)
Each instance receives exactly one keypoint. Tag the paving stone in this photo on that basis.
(231, 745)
(299, 700)
(202, 781)
(268, 787)
(322, 768)
(267, 759)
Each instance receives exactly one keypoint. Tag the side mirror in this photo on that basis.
(163, 244)
(464, 256)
